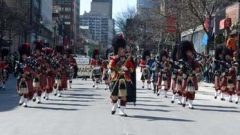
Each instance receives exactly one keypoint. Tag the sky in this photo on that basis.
(119, 6)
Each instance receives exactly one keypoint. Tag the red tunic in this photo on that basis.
(142, 64)
(115, 68)
(27, 71)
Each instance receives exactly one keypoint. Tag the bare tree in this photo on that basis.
(121, 21)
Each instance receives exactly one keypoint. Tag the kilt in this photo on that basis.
(43, 82)
(238, 88)
(64, 79)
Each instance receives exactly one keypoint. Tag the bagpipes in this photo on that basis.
(188, 75)
(122, 86)
(225, 67)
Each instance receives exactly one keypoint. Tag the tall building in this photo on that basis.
(101, 28)
(100, 22)
(70, 13)
(102, 7)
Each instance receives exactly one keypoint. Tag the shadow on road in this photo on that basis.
(216, 106)
(9, 98)
(217, 110)
(153, 118)
(149, 110)
(140, 104)
(63, 104)
(144, 100)
(51, 108)
(72, 100)
(86, 95)
(78, 97)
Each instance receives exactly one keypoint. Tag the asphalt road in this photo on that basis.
(84, 110)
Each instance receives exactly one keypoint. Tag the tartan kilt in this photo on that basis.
(64, 82)
(43, 82)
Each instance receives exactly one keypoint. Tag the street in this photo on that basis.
(84, 110)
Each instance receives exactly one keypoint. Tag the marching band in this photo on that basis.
(43, 72)
(46, 70)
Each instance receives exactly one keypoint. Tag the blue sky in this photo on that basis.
(118, 6)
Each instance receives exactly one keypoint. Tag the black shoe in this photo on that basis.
(183, 105)
(191, 108)
(165, 96)
(230, 101)
(93, 86)
(215, 97)
(113, 112)
(236, 102)
(55, 94)
(20, 104)
(143, 87)
(158, 94)
(223, 99)
(34, 100)
(123, 115)
(172, 102)
(25, 106)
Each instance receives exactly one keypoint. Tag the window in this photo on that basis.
(67, 9)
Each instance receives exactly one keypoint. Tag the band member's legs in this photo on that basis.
(114, 102)
(216, 85)
(123, 103)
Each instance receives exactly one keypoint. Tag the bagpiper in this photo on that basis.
(164, 76)
(50, 75)
(97, 70)
(24, 79)
(176, 77)
(218, 69)
(105, 73)
(121, 69)
(72, 67)
(228, 75)
(60, 78)
(190, 68)
(38, 72)
(145, 69)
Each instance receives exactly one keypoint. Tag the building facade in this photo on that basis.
(100, 27)
(100, 22)
(102, 7)
(70, 13)
(31, 22)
